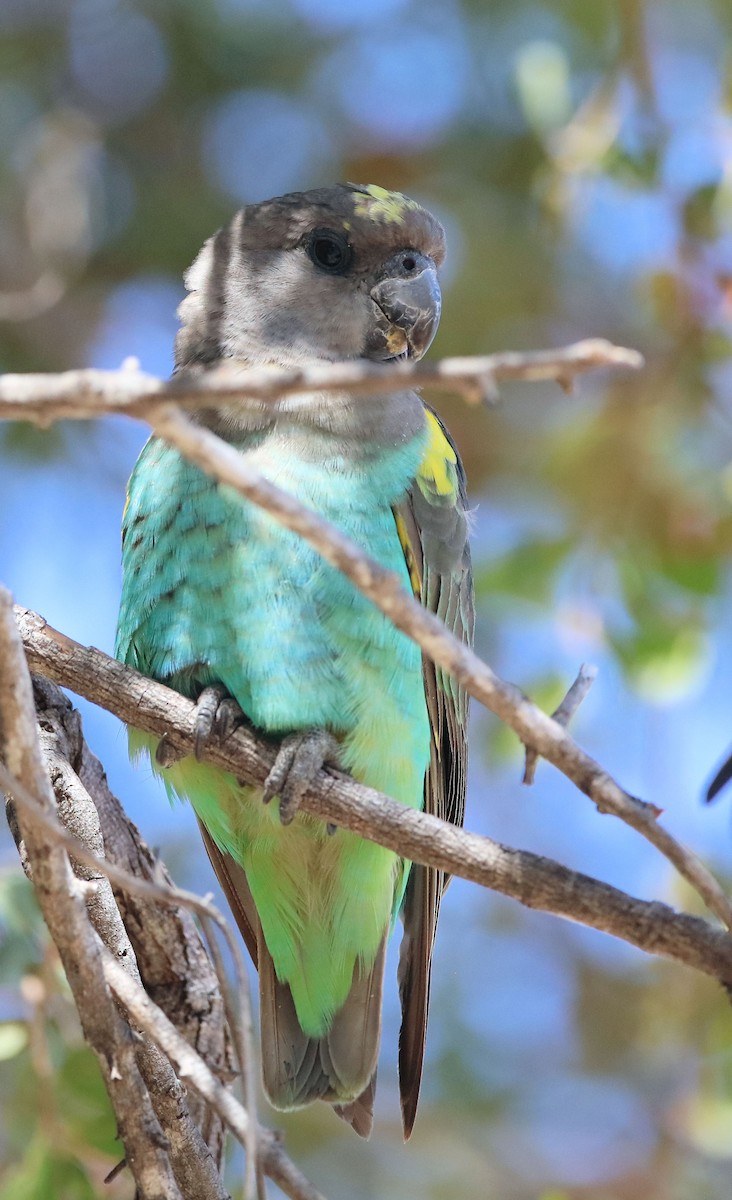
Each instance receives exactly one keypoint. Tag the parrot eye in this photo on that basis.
(330, 251)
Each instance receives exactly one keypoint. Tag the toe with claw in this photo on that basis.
(217, 715)
(299, 758)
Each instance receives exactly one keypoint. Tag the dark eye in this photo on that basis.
(330, 251)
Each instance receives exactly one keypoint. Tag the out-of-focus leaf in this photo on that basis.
(22, 931)
(639, 169)
(45, 1175)
(23, 440)
(700, 217)
(700, 575)
(707, 1124)
(527, 572)
(83, 1101)
(664, 662)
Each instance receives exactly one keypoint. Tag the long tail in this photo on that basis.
(339, 1067)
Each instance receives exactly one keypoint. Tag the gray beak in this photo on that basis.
(408, 304)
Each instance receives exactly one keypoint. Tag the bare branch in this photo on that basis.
(535, 729)
(532, 880)
(194, 1071)
(563, 714)
(159, 946)
(65, 914)
(239, 1017)
(90, 393)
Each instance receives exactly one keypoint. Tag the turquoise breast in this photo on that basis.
(215, 588)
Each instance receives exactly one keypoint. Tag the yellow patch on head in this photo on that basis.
(437, 468)
(378, 204)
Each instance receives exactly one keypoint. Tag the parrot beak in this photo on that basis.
(408, 304)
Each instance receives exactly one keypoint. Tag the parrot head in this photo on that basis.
(342, 272)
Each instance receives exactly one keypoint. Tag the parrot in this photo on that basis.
(242, 616)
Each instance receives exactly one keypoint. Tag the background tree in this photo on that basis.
(579, 157)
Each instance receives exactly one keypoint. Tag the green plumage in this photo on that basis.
(227, 594)
(216, 591)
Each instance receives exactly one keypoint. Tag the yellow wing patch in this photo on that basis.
(378, 204)
(437, 471)
(410, 560)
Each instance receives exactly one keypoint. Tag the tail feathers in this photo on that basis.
(340, 1066)
(236, 889)
(421, 905)
(359, 1114)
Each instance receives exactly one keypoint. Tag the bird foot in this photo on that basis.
(217, 715)
(299, 758)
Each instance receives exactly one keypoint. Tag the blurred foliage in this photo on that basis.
(57, 1138)
(580, 155)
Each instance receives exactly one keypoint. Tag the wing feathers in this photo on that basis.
(433, 520)
(236, 889)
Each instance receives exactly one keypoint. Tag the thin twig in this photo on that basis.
(532, 880)
(240, 1021)
(533, 726)
(91, 393)
(563, 714)
(194, 1071)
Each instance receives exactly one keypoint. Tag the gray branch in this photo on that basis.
(194, 1071)
(91, 393)
(563, 714)
(64, 911)
(159, 946)
(534, 881)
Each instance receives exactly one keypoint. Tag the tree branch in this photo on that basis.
(64, 911)
(159, 946)
(91, 393)
(536, 730)
(535, 881)
(194, 1071)
(563, 714)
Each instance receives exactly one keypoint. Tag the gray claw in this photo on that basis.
(165, 755)
(217, 715)
(299, 758)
